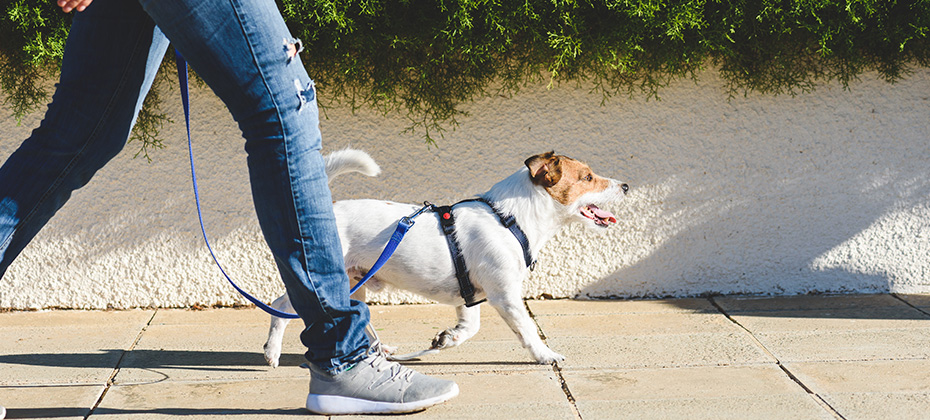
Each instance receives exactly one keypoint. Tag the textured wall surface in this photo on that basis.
(822, 192)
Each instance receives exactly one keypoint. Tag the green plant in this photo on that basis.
(424, 58)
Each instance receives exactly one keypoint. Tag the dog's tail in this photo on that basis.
(346, 161)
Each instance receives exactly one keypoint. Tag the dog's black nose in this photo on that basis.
(625, 188)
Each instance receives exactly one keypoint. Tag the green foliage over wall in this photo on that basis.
(424, 58)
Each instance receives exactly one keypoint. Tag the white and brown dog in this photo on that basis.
(550, 192)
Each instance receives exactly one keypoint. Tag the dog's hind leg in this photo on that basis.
(276, 331)
(468, 325)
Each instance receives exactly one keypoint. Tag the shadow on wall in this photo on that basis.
(788, 207)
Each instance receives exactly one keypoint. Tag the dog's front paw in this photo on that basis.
(548, 357)
(272, 354)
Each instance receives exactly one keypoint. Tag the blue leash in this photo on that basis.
(403, 225)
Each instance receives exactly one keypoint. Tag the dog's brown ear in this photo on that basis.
(545, 169)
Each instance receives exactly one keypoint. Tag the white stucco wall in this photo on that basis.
(823, 192)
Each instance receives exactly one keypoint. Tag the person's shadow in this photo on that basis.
(157, 361)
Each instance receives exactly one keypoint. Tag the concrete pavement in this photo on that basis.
(807, 357)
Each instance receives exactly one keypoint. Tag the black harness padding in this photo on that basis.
(447, 223)
(510, 222)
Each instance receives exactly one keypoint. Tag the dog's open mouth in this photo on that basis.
(600, 217)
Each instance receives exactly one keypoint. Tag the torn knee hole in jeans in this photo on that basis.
(292, 48)
(306, 94)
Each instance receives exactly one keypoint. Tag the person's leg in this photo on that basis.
(245, 53)
(111, 57)
(241, 49)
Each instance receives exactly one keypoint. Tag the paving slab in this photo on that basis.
(920, 301)
(806, 302)
(632, 324)
(834, 319)
(54, 402)
(502, 395)
(635, 339)
(659, 351)
(852, 345)
(136, 318)
(266, 399)
(892, 376)
(825, 328)
(893, 389)
(881, 405)
(411, 328)
(65, 347)
(394, 327)
(823, 313)
(212, 316)
(205, 352)
(603, 307)
(700, 392)
(478, 356)
(773, 407)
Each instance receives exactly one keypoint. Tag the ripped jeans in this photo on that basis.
(245, 53)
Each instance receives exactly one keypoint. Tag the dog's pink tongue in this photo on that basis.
(603, 215)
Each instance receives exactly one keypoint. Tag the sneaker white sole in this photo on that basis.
(339, 405)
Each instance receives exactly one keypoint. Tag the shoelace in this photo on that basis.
(381, 363)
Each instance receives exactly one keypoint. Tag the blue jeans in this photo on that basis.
(240, 48)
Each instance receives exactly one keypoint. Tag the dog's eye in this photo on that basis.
(588, 178)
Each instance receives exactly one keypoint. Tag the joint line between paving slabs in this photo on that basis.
(895, 295)
(823, 403)
(119, 364)
(555, 366)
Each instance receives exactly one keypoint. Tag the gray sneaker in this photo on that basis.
(376, 386)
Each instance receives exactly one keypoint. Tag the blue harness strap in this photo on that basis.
(402, 226)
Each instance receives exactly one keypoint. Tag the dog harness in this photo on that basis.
(447, 222)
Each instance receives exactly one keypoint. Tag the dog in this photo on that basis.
(549, 192)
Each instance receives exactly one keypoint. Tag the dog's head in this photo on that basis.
(574, 185)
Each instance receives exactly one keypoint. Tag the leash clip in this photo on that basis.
(408, 220)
